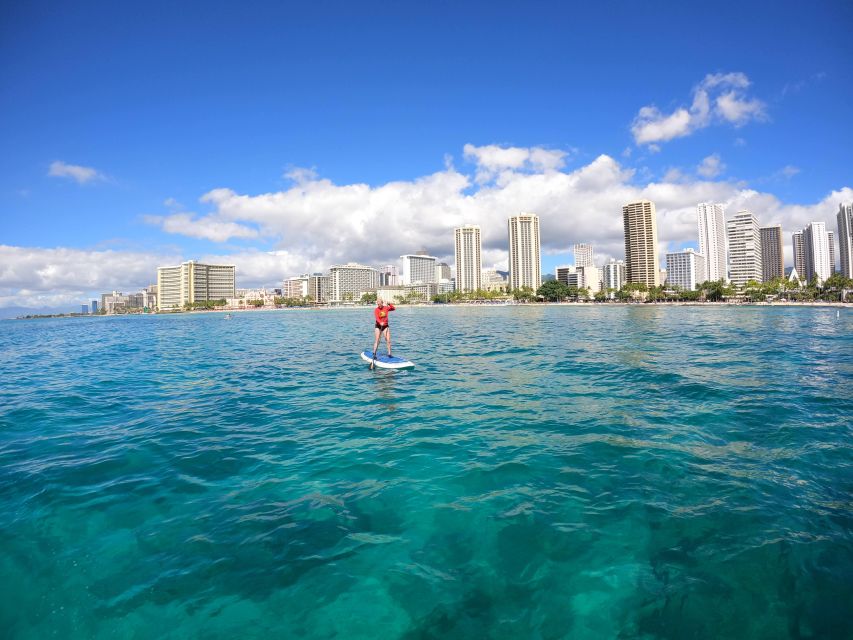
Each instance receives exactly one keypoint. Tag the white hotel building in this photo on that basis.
(744, 236)
(193, 281)
(712, 240)
(819, 256)
(418, 268)
(525, 263)
(685, 269)
(613, 275)
(468, 251)
(348, 282)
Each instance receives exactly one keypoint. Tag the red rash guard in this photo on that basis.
(381, 314)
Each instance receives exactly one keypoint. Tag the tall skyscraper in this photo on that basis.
(613, 275)
(685, 269)
(744, 239)
(418, 268)
(845, 238)
(816, 250)
(642, 264)
(799, 254)
(712, 239)
(94, 306)
(583, 255)
(467, 251)
(525, 263)
(831, 236)
(772, 256)
(194, 281)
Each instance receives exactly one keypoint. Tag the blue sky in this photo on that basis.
(167, 102)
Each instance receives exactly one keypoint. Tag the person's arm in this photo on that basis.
(391, 307)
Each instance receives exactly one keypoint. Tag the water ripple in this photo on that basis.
(583, 472)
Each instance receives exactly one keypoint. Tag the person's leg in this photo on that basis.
(376, 333)
(388, 340)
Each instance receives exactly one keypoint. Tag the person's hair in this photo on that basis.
(379, 301)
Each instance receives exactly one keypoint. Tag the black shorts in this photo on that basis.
(381, 327)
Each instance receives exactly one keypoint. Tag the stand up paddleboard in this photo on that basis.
(383, 361)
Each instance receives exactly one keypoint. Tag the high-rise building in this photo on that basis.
(642, 264)
(318, 287)
(94, 307)
(84, 309)
(744, 237)
(348, 282)
(712, 239)
(584, 255)
(193, 281)
(467, 252)
(685, 269)
(799, 254)
(389, 276)
(442, 272)
(418, 268)
(831, 236)
(845, 238)
(525, 263)
(816, 250)
(613, 275)
(772, 255)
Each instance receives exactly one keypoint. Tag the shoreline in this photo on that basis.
(837, 305)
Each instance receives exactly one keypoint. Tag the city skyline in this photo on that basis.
(129, 155)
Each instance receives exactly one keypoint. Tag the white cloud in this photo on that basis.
(494, 161)
(316, 223)
(711, 166)
(789, 171)
(206, 227)
(76, 172)
(718, 98)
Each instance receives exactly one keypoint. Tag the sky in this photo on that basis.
(284, 138)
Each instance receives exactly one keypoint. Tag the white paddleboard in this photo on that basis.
(384, 362)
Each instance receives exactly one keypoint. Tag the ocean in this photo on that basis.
(577, 471)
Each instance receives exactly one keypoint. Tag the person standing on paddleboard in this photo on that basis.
(380, 314)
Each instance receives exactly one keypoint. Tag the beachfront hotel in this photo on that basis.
(744, 237)
(712, 239)
(418, 268)
(817, 251)
(772, 256)
(468, 250)
(613, 274)
(799, 254)
(193, 281)
(348, 282)
(845, 238)
(642, 264)
(685, 269)
(525, 263)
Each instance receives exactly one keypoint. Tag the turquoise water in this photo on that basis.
(579, 472)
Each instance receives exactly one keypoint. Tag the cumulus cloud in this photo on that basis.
(79, 173)
(494, 161)
(719, 98)
(711, 166)
(206, 227)
(315, 223)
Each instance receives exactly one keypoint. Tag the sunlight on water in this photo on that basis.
(544, 472)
